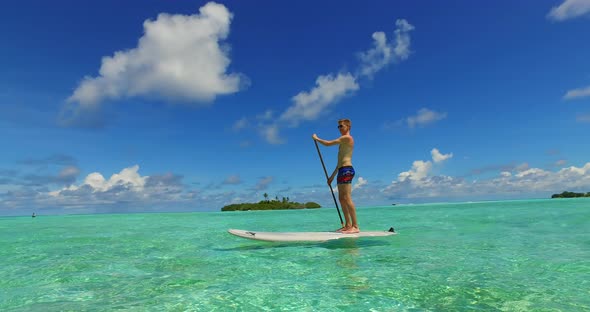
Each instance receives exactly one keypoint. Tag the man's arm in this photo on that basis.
(331, 178)
(338, 141)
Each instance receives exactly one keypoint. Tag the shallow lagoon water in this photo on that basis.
(488, 256)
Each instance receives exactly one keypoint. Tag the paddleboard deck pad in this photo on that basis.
(305, 236)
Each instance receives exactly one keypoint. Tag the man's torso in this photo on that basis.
(345, 152)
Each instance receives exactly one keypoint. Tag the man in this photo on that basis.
(345, 173)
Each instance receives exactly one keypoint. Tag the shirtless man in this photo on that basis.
(345, 173)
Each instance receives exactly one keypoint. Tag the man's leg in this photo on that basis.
(344, 205)
(345, 196)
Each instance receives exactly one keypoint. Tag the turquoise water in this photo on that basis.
(489, 256)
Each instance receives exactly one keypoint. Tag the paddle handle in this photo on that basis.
(330, 185)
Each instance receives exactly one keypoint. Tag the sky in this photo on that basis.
(171, 106)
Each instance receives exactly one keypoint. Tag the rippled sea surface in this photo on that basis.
(489, 256)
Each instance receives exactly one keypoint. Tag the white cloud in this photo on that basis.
(402, 37)
(569, 9)
(518, 183)
(360, 183)
(310, 105)
(179, 57)
(420, 169)
(120, 192)
(424, 117)
(126, 191)
(328, 90)
(384, 53)
(438, 157)
(97, 183)
(418, 172)
(271, 134)
(376, 58)
(532, 172)
(577, 93)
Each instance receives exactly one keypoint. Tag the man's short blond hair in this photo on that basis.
(346, 122)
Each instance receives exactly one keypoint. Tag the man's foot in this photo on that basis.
(352, 230)
(342, 229)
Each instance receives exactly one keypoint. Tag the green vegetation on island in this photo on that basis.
(267, 204)
(570, 195)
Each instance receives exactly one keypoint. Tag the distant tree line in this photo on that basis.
(570, 195)
(267, 204)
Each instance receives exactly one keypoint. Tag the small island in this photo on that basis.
(567, 194)
(267, 204)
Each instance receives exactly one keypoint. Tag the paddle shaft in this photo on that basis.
(330, 185)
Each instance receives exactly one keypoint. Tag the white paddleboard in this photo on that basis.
(304, 236)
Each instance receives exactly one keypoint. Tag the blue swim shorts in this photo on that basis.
(345, 175)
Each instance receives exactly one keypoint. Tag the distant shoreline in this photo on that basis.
(270, 205)
(567, 194)
(204, 209)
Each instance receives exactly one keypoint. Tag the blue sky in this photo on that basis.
(113, 106)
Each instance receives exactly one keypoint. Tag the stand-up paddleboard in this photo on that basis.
(305, 236)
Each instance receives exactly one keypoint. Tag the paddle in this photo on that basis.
(330, 185)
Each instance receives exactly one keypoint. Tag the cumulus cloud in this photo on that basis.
(402, 37)
(179, 58)
(438, 157)
(127, 186)
(419, 183)
(271, 133)
(420, 169)
(383, 53)
(577, 93)
(425, 117)
(329, 89)
(569, 9)
(128, 177)
(539, 180)
(359, 183)
(125, 191)
(307, 105)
